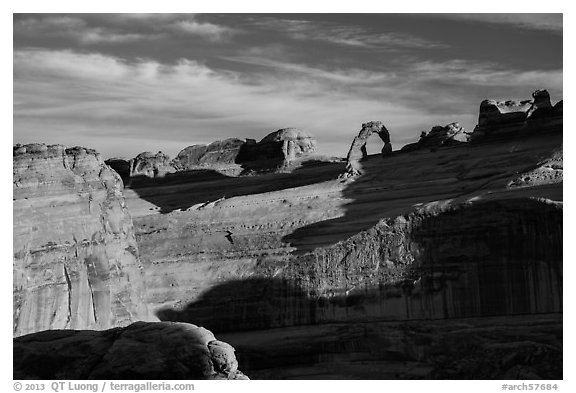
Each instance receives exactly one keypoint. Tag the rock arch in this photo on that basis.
(358, 148)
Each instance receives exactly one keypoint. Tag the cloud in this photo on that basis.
(533, 21)
(346, 76)
(353, 36)
(78, 95)
(102, 101)
(208, 30)
(73, 28)
(93, 29)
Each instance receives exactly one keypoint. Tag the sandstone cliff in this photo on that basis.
(157, 350)
(442, 261)
(76, 262)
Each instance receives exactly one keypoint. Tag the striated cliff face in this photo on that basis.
(442, 261)
(157, 350)
(76, 262)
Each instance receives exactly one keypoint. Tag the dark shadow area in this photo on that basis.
(182, 190)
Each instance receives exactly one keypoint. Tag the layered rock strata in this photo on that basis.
(157, 350)
(450, 135)
(358, 151)
(76, 262)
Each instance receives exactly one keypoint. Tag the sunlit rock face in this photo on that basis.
(142, 350)
(76, 262)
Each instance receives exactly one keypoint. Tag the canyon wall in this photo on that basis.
(441, 261)
(76, 261)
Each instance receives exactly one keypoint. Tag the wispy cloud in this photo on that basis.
(354, 36)
(346, 76)
(119, 28)
(205, 29)
(533, 21)
(74, 28)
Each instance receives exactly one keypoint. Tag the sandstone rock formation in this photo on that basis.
(233, 155)
(76, 262)
(505, 119)
(395, 270)
(157, 350)
(217, 155)
(277, 149)
(121, 166)
(449, 135)
(358, 148)
(151, 165)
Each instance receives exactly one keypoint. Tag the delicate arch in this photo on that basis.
(358, 148)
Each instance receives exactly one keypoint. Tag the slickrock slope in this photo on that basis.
(157, 350)
(76, 263)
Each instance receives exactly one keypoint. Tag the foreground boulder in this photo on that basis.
(450, 135)
(154, 350)
(358, 149)
(504, 119)
(76, 262)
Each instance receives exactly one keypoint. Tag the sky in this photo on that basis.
(127, 83)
